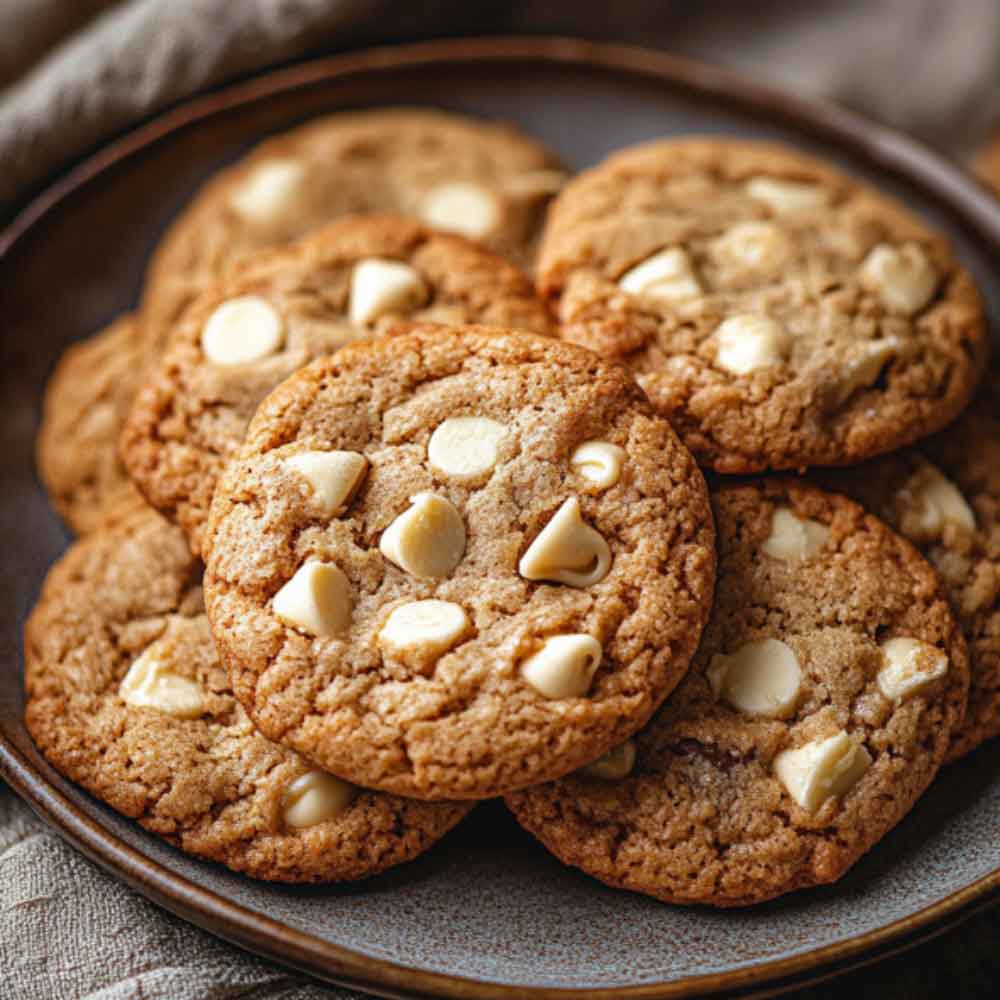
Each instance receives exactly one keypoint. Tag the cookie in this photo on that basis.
(83, 410)
(126, 697)
(987, 163)
(821, 702)
(779, 313)
(454, 562)
(487, 181)
(953, 517)
(280, 310)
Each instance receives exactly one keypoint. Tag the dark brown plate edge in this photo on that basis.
(944, 182)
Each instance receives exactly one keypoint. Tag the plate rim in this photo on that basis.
(888, 150)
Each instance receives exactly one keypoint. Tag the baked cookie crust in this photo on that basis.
(396, 161)
(710, 811)
(192, 411)
(625, 570)
(951, 512)
(211, 785)
(780, 313)
(86, 399)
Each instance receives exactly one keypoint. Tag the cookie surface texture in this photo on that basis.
(487, 181)
(488, 605)
(818, 708)
(86, 400)
(778, 312)
(950, 509)
(348, 281)
(127, 697)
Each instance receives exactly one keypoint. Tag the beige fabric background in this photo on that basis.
(74, 73)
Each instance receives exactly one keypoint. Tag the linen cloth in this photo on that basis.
(74, 73)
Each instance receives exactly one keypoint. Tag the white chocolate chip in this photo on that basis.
(939, 502)
(863, 367)
(903, 278)
(426, 629)
(317, 600)
(270, 192)
(381, 286)
(242, 330)
(668, 276)
(465, 448)
(748, 342)
(757, 246)
(567, 550)
(461, 207)
(910, 665)
(599, 463)
(535, 183)
(315, 797)
(427, 540)
(564, 667)
(616, 764)
(761, 678)
(787, 197)
(333, 475)
(151, 683)
(822, 769)
(794, 538)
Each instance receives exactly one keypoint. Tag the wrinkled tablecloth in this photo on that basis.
(74, 73)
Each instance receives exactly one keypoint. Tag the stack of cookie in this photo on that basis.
(392, 528)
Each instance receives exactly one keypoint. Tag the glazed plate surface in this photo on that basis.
(487, 913)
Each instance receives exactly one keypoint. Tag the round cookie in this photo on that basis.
(126, 696)
(85, 403)
(485, 180)
(454, 562)
(954, 519)
(778, 312)
(347, 281)
(821, 702)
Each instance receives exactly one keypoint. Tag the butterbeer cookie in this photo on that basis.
(820, 704)
(953, 517)
(126, 697)
(85, 403)
(454, 562)
(346, 282)
(487, 181)
(778, 312)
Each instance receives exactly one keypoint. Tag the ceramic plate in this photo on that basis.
(487, 913)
